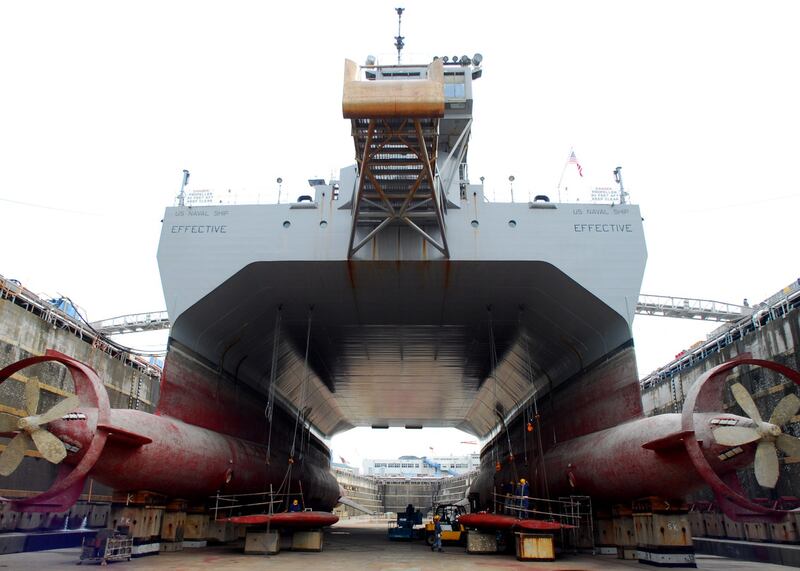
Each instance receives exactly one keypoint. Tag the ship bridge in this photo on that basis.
(399, 296)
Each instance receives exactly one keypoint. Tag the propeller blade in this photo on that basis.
(767, 470)
(785, 410)
(735, 435)
(789, 444)
(32, 396)
(51, 447)
(14, 452)
(59, 410)
(8, 422)
(746, 402)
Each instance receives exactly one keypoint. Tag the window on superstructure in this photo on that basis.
(454, 87)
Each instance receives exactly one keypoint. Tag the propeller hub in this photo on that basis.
(25, 424)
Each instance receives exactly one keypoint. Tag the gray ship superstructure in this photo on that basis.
(399, 295)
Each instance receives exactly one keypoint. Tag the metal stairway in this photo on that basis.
(395, 124)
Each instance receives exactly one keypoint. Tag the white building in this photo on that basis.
(418, 467)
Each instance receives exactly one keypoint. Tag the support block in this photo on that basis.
(78, 515)
(714, 524)
(624, 532)
(671, 530)
(785, 531)
(604, 530)
(30, 521)
(98, 516)
(697, 524)
(535, 547)
(663, 533)
(196, 527)
(478, 542)
(262, 542)
(733, 529)
(173, 525)
(8, 518)
(144, 522)
(54, 521)
(756, 531)
(221, 532)
(307, 541)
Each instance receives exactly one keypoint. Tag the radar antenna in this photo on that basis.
(398, 39)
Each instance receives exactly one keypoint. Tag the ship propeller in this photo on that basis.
(769, 436)
(30, 431)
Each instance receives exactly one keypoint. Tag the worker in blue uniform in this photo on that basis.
(437, 534)
(295, 507)
(522, 498)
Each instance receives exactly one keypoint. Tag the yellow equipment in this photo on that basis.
(448, 518)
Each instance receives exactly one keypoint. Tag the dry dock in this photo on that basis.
(356, 547)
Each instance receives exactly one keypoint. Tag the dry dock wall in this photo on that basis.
(776, 340)
(28, 328)
(382, 495)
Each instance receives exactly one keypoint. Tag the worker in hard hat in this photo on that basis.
(522, 498)
(295, 507)
(437, 534)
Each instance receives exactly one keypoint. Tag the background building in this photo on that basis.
(421, 467)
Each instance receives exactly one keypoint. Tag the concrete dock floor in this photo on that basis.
(353, 547)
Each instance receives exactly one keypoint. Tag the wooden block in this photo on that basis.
(172, 526)
(534, 547)
(478, 542)
(196, 527)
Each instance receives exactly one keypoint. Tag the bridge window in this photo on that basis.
(454, 87)
(454, 91)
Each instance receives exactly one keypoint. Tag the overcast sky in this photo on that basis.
(104, 103)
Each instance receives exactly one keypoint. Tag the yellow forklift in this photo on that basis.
(452, 531)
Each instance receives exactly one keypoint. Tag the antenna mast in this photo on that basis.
(182, 194)
(398, 39)
(618, 179)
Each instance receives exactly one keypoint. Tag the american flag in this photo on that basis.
(574, 160)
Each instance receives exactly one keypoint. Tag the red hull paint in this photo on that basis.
(133, 450)
(185, 460)
(504, 522)
(287, 520)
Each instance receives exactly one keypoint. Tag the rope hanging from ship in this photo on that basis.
(268, 411)
(498, 412)
(533, 420)
(287, 480)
